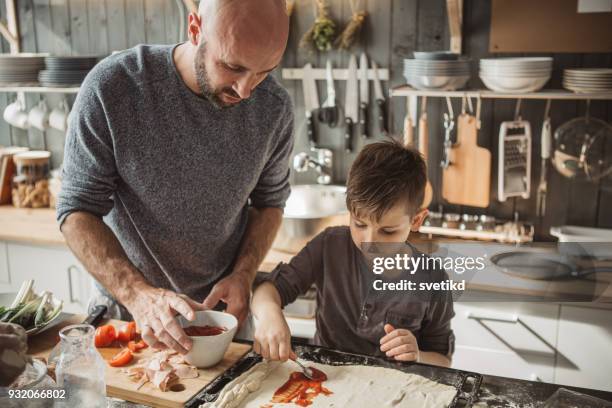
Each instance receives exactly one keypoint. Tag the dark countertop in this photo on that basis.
(502, 392)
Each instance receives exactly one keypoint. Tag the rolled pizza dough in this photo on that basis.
(352, 386)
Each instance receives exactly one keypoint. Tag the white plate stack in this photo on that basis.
(20, 69)
(516, 75)
(588, 80)
(431, 74)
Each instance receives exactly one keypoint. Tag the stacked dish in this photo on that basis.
(588, 79)
(431, 72)
(20, 69)
(66, 71)
(518, 75)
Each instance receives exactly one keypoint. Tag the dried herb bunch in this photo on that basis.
(323, 32)
(349, 35)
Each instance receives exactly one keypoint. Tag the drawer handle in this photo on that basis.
(70, 294)
(508, 319)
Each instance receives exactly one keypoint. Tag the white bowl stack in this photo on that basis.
(588, 80)
(437, 74)
(516, 75)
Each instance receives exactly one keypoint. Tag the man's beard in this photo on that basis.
(203, 80)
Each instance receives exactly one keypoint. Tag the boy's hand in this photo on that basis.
(273, 338)
(399, 344)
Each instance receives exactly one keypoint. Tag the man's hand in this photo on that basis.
(400, 344)
(154, 311)
(235, 291)
(13, 348)
(272, 338)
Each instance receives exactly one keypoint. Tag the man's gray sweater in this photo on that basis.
(172, 175)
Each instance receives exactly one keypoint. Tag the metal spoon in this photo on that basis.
(306, 370)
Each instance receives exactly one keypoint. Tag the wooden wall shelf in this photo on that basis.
(39, 89)
(556, 94)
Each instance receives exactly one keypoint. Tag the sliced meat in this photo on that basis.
(185, 371)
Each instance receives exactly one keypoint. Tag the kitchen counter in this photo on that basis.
(39, 227)
(26, 225)
(502, 392)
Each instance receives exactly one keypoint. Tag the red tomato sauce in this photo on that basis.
(204, 330)
(300, 390)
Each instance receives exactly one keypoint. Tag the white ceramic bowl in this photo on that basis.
(540, 74)
(518, 60)
(445, 83)
(208, 351)
(514, 84)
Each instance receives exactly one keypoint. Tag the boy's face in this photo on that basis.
(393, 227)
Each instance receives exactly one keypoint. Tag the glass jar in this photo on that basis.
(31, 182)
(468, 222)
(434, 219)
(486, 223)
(451, 220)
(81, 369)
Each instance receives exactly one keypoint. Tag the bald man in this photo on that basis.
(176, 168)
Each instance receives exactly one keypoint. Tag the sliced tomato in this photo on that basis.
(105, 335)
(122, 358)
(127, 332)
(136, 346)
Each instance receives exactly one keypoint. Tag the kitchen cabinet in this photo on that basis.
(53, 269)
(5, 277)
(515, 340)
(585, 345)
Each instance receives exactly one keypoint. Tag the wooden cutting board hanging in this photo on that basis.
(422, 146)
(424, 150)
(467, 180)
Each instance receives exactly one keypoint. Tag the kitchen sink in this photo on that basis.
(309, 210)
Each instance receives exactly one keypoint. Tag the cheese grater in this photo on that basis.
(514, 166)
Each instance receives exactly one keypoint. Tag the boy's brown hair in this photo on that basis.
(383, 174)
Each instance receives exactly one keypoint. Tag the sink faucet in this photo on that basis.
(323, 164)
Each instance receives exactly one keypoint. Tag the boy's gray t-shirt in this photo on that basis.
(172, 175)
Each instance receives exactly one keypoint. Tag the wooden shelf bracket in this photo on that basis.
(454, 10)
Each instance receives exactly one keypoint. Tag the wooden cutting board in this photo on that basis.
(467, 181)
(119, 385)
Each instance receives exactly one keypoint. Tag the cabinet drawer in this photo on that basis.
(528, 329)
(503, 363)
(585, 342)
(53, 269)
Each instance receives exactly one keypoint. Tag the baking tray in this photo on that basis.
(466, 383)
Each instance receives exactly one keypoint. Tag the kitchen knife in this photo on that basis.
(328, 113)
(351, 104)
(380, 100)
(364, 94)
(311, 102)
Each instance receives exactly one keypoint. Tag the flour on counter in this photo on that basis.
(352, 386)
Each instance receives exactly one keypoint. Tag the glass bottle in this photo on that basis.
(80, 369)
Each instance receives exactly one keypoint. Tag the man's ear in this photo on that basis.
(418, 219)
(194, 30)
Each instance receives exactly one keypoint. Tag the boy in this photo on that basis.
(385, 189)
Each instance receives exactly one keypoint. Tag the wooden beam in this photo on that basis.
(191, 6)
(8, 36)
(10, 31)
(455, 18)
